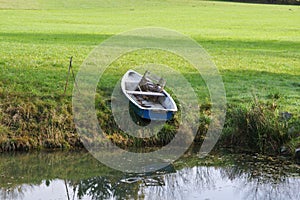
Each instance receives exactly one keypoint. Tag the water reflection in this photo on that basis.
(79, 176)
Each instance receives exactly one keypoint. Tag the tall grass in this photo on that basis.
(260, 127)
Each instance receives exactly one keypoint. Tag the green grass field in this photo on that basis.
(255, 47)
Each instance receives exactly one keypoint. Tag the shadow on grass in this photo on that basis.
(240, 84)
(95, 39)
(52, 38)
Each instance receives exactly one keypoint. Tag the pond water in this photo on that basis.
(77, 175)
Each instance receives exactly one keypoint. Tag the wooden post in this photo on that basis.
(67, 81)
(70, 70)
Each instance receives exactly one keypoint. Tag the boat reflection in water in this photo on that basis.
(79, 176)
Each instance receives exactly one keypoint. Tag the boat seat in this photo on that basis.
(146, 93)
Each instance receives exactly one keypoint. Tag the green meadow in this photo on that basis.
(255, 47)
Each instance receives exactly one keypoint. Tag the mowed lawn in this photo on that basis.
(255, 47)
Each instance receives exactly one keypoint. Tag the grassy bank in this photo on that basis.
(256, 49)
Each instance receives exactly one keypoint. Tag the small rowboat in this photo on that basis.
(147, 98)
